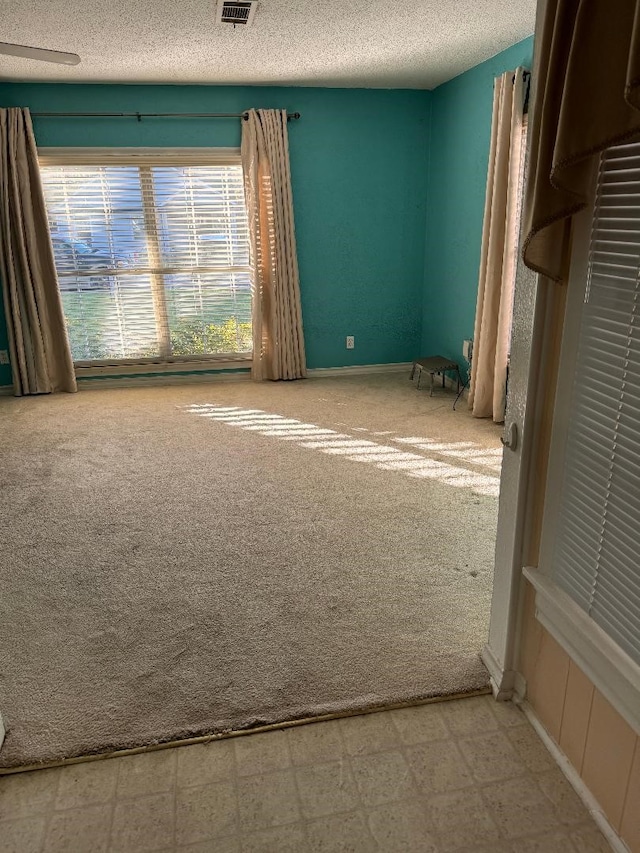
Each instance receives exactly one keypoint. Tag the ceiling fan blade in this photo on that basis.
(39, 53)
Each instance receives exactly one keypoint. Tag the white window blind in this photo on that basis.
(596, 558)
(152, 256)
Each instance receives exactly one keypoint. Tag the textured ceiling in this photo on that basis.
(368, 43)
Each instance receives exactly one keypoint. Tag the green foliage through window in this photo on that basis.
(196, 339)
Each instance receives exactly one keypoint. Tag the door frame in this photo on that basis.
(500, 653)
(530, 403)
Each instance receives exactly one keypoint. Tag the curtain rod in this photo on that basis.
(140, 116)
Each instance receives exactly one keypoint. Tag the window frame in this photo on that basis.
(613, 672)
(141, 157)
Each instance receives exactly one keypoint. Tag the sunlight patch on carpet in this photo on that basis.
(424, 464)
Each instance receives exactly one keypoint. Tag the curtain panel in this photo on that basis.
(38, 345)
(491, 337)
(278, 342)
(586, 98)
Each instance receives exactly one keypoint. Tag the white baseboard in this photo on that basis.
(94, 380)
(355, 369)
(573, 777)
(6, 390)
(502, 681)
(519, 687)
(229, 376)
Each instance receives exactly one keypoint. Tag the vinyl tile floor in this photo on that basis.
(462, 775)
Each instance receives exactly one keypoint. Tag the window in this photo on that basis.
(595, 555)
(152, 253)
(589, 580)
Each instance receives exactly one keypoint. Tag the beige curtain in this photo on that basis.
(278, 343)
(39, 349)
(499, 250)
(586, 98)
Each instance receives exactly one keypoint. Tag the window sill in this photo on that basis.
(608, 667)
(146, 368)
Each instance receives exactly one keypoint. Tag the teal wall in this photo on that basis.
(461, 113)
(359, 172)
(369, 167)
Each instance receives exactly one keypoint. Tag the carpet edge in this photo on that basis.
(267, 727)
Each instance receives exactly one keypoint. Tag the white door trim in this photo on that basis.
(500, 653)
(531, 319)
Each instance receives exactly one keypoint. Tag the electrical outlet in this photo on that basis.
(467, 350)
(350, 342)
(4, 356)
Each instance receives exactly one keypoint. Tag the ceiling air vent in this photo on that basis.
(240, 13)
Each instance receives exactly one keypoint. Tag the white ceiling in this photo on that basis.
(368, 43)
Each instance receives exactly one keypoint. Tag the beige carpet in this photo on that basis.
(192, 559)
